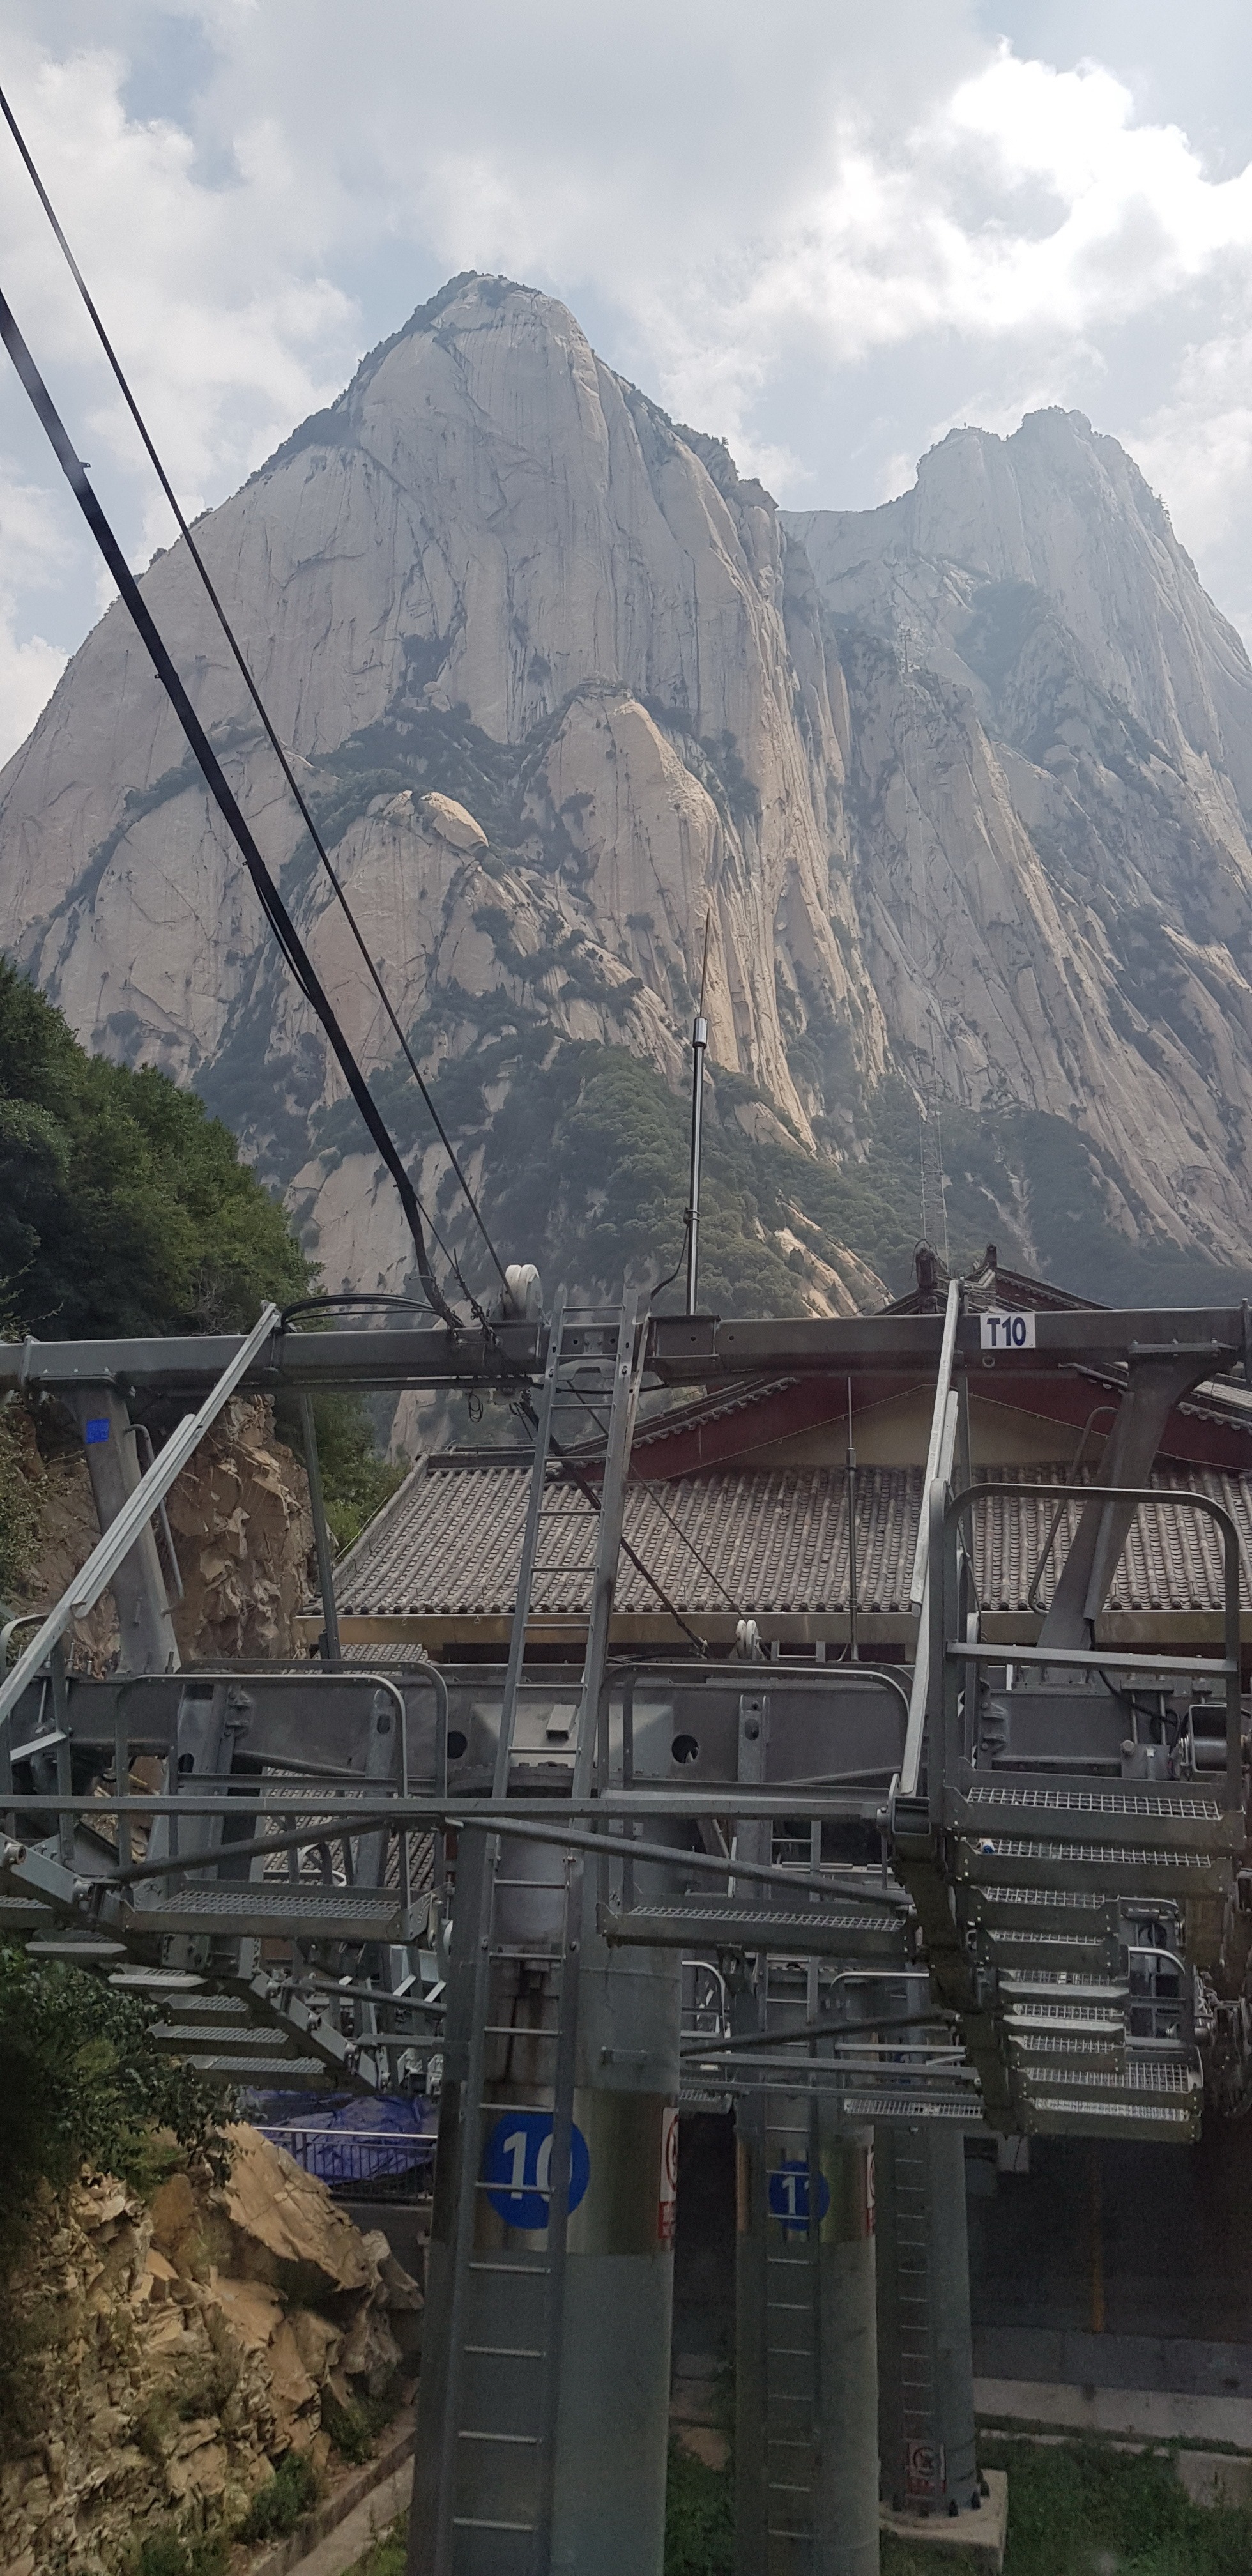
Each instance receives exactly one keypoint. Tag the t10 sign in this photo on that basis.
(1000, 1331)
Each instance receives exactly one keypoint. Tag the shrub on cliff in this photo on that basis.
(82, 2083)
(124, 1208)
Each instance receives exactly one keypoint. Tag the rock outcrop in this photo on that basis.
(165, 2356)
(241, 1527)
(961, 787)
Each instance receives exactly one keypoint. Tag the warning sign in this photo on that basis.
(667, 2203)
(925, 2470)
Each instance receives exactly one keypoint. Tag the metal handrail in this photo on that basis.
(1110, 1658)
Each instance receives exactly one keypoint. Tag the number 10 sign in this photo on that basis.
(517, 2168)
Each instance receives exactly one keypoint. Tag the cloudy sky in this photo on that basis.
(827, 230)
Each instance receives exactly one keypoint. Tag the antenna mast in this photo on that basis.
(699, 1043)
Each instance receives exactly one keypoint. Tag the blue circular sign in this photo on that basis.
(517, 2168)
(789, 2196)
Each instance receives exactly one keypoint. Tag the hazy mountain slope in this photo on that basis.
(960, 786)
(1049, 795)
(494, 572)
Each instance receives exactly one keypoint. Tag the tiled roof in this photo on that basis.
(757, 1542)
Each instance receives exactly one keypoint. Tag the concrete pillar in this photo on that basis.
(925, 2343)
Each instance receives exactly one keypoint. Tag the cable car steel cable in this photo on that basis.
(250, 685)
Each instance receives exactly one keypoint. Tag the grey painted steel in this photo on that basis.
(806, 2335)
(806, 2435)
(1154, 1387)
(846, 2486)
(612, 2317)
(172, 1362)
(613, 2427)
(542, 2439)
(699, 1045)
(321, 1532)
(530, 1543)
(146, 1640)
(682, 1350)
(134, 1516)
(938, 1426)
(925, 2346)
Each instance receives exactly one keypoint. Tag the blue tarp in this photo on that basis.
(346, 2137)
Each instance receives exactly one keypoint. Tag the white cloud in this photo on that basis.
(29, 670)
(1026, 206)
(224, 322)
(760, 219)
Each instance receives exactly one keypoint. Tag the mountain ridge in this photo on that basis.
(561, 686)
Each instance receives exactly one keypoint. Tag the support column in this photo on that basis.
(806, 2449)
(613, 2309)
(146, 1630)
(613, 2424)
(846, 2487)
(925, 2342)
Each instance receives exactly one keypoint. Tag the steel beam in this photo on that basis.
(681, 1351)
(176, 1363)
(686, 1351)
(146, 1640)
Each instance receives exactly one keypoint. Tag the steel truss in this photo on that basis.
(1003, 1886)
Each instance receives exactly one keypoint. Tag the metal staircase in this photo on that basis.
(1054, 1826)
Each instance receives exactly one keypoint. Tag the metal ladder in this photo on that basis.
(792, 2370)
(490, 2462)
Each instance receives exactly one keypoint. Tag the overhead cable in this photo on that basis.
(272, 904)
(245, 674)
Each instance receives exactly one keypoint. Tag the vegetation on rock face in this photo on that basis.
(276, 2507)
(81, 2083)
(19, 1508)
(699, 2517)
(167, 2553)
(585, 1169)
(356, 1479)
(124, 1208)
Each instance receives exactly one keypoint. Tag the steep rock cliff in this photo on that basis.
(557, 703)
(961, 787)
(1050, 791)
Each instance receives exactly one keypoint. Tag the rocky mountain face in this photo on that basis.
(240, 1526)
(1050, 791)
(960, 788)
